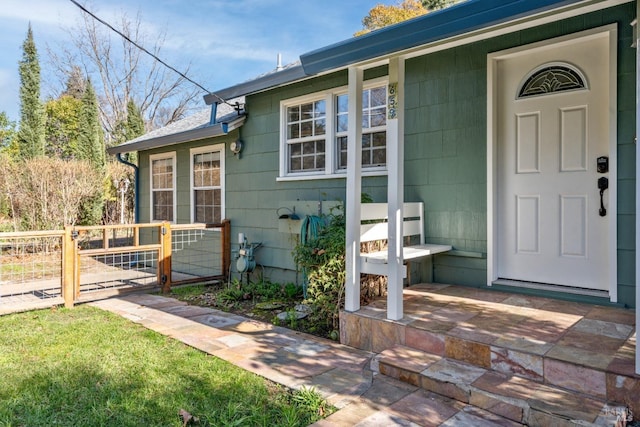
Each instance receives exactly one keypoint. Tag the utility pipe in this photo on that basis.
(136, 197)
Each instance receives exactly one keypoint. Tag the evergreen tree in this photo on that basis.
(90, 140)
(135, 122)
(91, 148)
(31, 135)
(134, 127)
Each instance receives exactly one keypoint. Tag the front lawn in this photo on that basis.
(88, 367)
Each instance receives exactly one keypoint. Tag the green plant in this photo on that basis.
(266, 290)
(323, 260)
(310, 399)
(231, 295)
(292, 291)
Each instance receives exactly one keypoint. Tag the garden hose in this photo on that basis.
(311, 226)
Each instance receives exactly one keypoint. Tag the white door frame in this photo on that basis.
(609, 31)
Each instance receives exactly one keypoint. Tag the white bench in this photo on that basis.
(374, 226)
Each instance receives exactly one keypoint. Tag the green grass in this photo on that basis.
(88, 367)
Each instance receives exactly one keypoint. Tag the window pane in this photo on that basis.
(343, 103)
(162, 173)
(366, 158)
(365, 98)
(378, 96)
(320, 108)
(163, 206)
(307, 111)
(208, 208)
(342, 123)
(309, 147)
(295, 164)
(306, 129)
(380, 156)
(365, 120)
(378, 117)
(199, 214)
(342, 143)
(293, 114)
(320, 161)
(320, 127)
(206, 169)
(379, 139)
(308, 163)
(295, 149)
(293, 131)
(366, 141)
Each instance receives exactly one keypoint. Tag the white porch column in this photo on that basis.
(354, 190)
(395, 185)
(637, 44)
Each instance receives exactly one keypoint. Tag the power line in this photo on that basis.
(142, 48)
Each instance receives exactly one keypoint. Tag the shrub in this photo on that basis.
(323, 260)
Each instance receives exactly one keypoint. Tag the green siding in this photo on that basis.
(445, 152)
(182, 175)
(446, 104)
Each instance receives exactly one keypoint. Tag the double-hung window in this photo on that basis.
(163, 184)
(306, 136)
(314, 133)
(374, 127)
(207, 175)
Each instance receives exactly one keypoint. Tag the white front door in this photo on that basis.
(553, 122)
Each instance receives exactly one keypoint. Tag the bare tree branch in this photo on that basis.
(120, 72)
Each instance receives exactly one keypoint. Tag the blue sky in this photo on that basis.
(226, 41)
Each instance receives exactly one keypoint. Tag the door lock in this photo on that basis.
(602, 164)
(603, 184)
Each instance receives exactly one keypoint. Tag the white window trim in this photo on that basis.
(331, 170)
(162, 156)
(192, 202)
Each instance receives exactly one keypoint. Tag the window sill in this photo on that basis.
(327, 176)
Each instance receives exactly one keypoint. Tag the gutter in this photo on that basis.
(210, 131)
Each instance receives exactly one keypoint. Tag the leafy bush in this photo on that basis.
(323, 260)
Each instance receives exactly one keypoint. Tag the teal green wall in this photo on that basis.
(182, 177)
(445, 157)
(253, 193)
(445, 144)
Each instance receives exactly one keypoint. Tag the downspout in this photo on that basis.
(135, 186)
(636, 44)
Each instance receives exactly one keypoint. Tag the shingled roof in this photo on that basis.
(192, 128)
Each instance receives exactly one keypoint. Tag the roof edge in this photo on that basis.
(446, 23)
(265, 82)
(212, 131)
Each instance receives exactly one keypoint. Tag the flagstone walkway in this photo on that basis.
(348, 378)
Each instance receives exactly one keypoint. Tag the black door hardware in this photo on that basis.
(603, 184)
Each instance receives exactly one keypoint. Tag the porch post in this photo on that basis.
(395, 186)
(354, 190)
(637, 44)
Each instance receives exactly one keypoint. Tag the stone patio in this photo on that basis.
(533, 360)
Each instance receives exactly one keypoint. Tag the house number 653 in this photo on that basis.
(392, 101)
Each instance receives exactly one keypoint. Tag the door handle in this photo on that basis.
(603, 184)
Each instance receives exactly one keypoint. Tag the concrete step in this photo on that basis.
(521, 400)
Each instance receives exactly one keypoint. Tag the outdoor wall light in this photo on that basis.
(291, 215)
(236, 147)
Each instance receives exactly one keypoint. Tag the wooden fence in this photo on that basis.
(84, 263)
